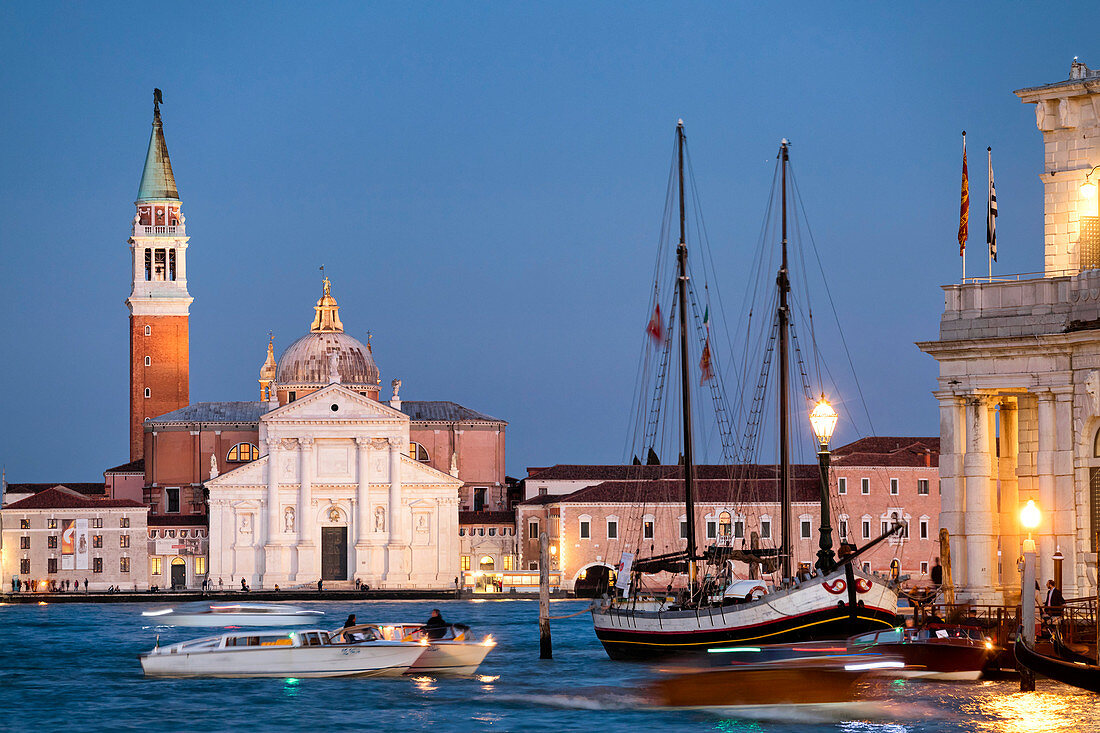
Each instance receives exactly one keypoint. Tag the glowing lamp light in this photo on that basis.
(823, 420)
(1029, 515)
(1088, 194)
(553, 549)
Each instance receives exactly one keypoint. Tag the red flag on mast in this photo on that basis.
(964, 205)
(654, 328)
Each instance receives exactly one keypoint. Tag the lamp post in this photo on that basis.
(1089, 194)
(1029, 519)
(823, 421)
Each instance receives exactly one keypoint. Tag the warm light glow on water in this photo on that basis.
(1035, 712)
(425, 683)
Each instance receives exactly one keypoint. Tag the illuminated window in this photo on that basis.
(24, 543)
(725, 524)
(242, 453)
(156, 565)
(924, 568)
(24, 524)
(647, 530)
(486, 564)
(97, 523)
(24, 566)
(124, 541)
(509, 562)
(465, 562)
(200, 566)
(418, 452)
(124, 522)
(51, 542)
(124, 564)
(51, 524)
(97, 564)
(97, 540)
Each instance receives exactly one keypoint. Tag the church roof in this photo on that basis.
(229, 412)
(61, 497)
(85, 488)
(137, 466)
(157, 180)
(443, 411)
(804, 489)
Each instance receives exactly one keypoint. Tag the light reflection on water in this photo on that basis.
(62, 658)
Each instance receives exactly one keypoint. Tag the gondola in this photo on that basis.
(1076, 674)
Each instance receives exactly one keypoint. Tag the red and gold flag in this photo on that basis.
(706, 371)
(654, 328)
(964, 205)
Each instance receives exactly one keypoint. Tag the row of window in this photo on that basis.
(51, 565)
(52, 541)
(884, 526)
(156, 565)
(895, 486)
(153, 533)
(480, 531)
(94, 523)
(487, 564)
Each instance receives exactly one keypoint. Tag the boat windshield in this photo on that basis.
(260, 640)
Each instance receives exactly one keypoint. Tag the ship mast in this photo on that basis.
(784, 284)
(685, 380)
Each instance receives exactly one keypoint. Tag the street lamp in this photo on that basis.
(823, 421)
(1088, 192)
(1029, 519)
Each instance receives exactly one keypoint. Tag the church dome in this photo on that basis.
(308, 361)
(311, 360)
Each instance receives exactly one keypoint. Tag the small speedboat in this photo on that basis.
(447, 649)
(938, 652)
(295, 653)
(234, 614)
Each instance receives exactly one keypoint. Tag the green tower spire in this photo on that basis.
(157, 181)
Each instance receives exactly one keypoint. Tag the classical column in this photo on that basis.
(1044, 478)
(214, 547)
(362, 492)
(271, 524)
(304, 520)
(395, 556)
(953, 488)
(1064, 510)
(978, 523)
(1010, 498)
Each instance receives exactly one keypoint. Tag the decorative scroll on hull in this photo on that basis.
(810, 611)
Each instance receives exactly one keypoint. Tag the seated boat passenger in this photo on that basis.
(435, 625)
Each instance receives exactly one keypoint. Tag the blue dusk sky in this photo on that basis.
(484, 183)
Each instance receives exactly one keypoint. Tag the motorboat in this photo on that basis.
(234, 614)
(280, 653)
(447, 649)
(937, 652)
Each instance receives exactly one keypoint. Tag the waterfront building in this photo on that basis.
(58, 534)
(594, 513)
(489, 552)
(1019, 376)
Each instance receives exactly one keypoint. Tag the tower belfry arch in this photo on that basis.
(1019, 376)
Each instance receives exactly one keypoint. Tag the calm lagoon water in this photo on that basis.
(69, 667)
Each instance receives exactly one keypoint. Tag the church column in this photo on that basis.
(1064, 509)
(307, 561)
(953, 493)
(1010, 498)
(361, 566)
(1044, 478)
(395, 554)
(978, 522)
(214, 539)
(274, 570)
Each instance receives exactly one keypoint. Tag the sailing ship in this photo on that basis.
(836, 601)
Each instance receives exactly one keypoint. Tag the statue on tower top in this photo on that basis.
(158, 100)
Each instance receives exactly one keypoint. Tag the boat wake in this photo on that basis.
(589, 698)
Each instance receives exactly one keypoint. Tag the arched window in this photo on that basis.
(242, 453)
(486, 565)
(418, 452)
(725, 524)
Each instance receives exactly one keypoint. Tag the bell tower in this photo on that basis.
(159, 302)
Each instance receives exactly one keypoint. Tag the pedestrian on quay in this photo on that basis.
(219, 583)
(85, 585)
(320, 585)
(244, 585)
(14, 584)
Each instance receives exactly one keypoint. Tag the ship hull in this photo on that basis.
(816, 610)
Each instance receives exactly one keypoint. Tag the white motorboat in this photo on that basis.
(447, 649)
(282, 653)
(234, 614)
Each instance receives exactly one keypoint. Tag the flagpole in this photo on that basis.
(964, 212)
(989, 204)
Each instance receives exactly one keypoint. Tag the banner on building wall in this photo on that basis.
(68, 544)
(623, 581)
(82, 543)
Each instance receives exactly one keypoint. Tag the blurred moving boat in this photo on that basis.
(234, 614)
(940, 652)
(447, 650)
(309, 653)
(807, 681)
(1077, 674)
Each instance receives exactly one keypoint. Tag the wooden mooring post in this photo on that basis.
(545, 649)
(945, 563)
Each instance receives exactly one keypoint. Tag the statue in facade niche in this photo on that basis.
(379, 519)
(246, 525)
(288, 519)
(396, 384)
(213, 466)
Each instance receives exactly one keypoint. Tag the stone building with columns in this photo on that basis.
(1019, 377)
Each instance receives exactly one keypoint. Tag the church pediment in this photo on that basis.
(349, 405)
(415, 472)
(249, 474)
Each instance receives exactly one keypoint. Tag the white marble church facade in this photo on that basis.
(335, 498)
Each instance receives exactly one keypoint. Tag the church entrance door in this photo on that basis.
(334, 553)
